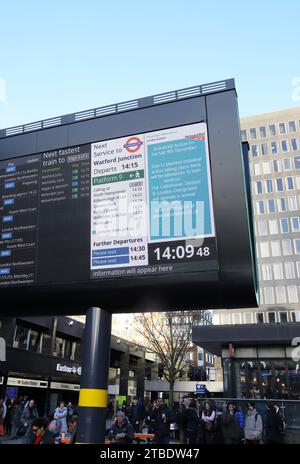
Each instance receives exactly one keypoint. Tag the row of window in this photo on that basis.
(271, 205)
(270, 130)
(276, 185)
(279, 295)
(280, 271)
(277, 248)
(286, 226)
(274, 148)
(267, 167)
(253, 317)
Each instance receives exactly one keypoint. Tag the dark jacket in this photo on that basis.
(230, 427)
(48, 438)
(162, 420)
(136, 413)
(190, 420)
(15, 413)
(273, 426)
(125, 428)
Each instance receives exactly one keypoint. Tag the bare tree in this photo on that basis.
(168, 335)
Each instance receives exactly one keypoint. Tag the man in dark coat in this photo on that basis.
(161, 416)
(121, 431)
(274, 424)
(136, 414)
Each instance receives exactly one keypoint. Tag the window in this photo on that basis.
(260, 318)
(262, 228)
(297, 246)
(266, 271)
(297, 162)
(281, 204)
(294, 144)
(21, 338)
(280, 295)
(295, 224)
(264, 149)
(290, 183)
(254, 150)
(266, 167)
(271, 206)
(298, 268)
(262, 132)
(237, 318)
(248, 318)
(284, 146)
(278, 271)
(226, 319)
(293, 316)
(272, 130)
(256, 169)
(292, 294)
(298, 182)
(253, 133)
(292, 126)
(272, 318)
(279, 185)
(260, 207)
(269, 186)
(275, 248)
(287, 247)
(264, 249)
(274, 148)
(289, 270)
(292, 203)
(282, 128)
(273, 226)
(269, 295)
(276, 165)
(283, 317)
(259, 187)
(287, 164)
(284, 225)
(244, 135)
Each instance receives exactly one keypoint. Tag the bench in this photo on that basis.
(138, 437)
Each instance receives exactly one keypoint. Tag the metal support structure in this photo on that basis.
(94, 379)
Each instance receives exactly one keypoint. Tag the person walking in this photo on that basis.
(230, 426)
(29, 414)
(253, 429)
(15, 412)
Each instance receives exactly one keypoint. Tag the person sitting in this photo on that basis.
(121, 431)
(42, 436)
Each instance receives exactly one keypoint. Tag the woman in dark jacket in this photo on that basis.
(190, 423)
(230, 426)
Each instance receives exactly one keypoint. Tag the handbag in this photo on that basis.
(209, 426)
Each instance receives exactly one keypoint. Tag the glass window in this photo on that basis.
(294, 144)
(298, 268)
(253, 133)
(271, 205)
(276, 165)
(297, 162)
(292, 126)
(295, 224)
(292, 203)
(266, 167)
(279, 185)
(266, 271)
(260, 318)
(287, 164)
(280, 295)
(283, 317)
(298, 182)
(259, 187)
(256, 169)
(274, 148)
(278, 271)
(275, 248)
(254, 150)
(284, 146)
(264, 149)
(244, 135)
(269, 186)
(21, 338)
(262, 132)
(269, 295)
(290, 183)
(237, 318)
(289, 270)
(272, 130)
(59, 347)
(260, 207)
(272, 318)
(292, 294)
(273, 226)
(264, 249)
(297, 246)
(282, 128)
(287, 247)
(284, 225)
(262, 228)
(294, 379)
(293, 316)
(35, 339)
(281, 204)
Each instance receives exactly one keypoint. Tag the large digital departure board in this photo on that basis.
(135, 205)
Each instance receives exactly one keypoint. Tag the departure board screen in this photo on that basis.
(124, 207)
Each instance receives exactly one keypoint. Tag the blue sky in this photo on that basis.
(59, 57)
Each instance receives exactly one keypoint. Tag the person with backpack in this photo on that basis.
(253, 429)
(274, 427)
(190, 423)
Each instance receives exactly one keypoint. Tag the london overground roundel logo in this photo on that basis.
(133, 144)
